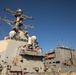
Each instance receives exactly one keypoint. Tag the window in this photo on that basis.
(49, 62)
(57, 62)
(21, 61)
(25, 68)
(53, 62)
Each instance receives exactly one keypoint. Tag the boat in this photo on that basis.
(19, 52)
(62, 58)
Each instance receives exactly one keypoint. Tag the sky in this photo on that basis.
(54, 21)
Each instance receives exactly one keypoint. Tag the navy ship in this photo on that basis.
(19, 52)
(62, 58)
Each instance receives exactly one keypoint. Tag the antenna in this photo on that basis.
(28, 26)
(8, 10)
(2, 32)
(18, 14)
(5, 17)
(60, 43)
(7, 21)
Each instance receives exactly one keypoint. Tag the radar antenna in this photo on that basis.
(28, 26)
(18, 13)
(7, 21)
(8, 10)
(19, 19)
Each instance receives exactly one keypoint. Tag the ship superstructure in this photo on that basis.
(62, 58)
(19, 53)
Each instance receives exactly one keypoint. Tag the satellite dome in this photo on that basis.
(12, 33)
(33, 38)
(19, 10)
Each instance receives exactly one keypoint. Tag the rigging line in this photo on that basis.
(2, 31)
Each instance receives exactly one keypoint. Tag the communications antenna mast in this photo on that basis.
(19, 19)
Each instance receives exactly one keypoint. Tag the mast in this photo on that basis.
(18, 14)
